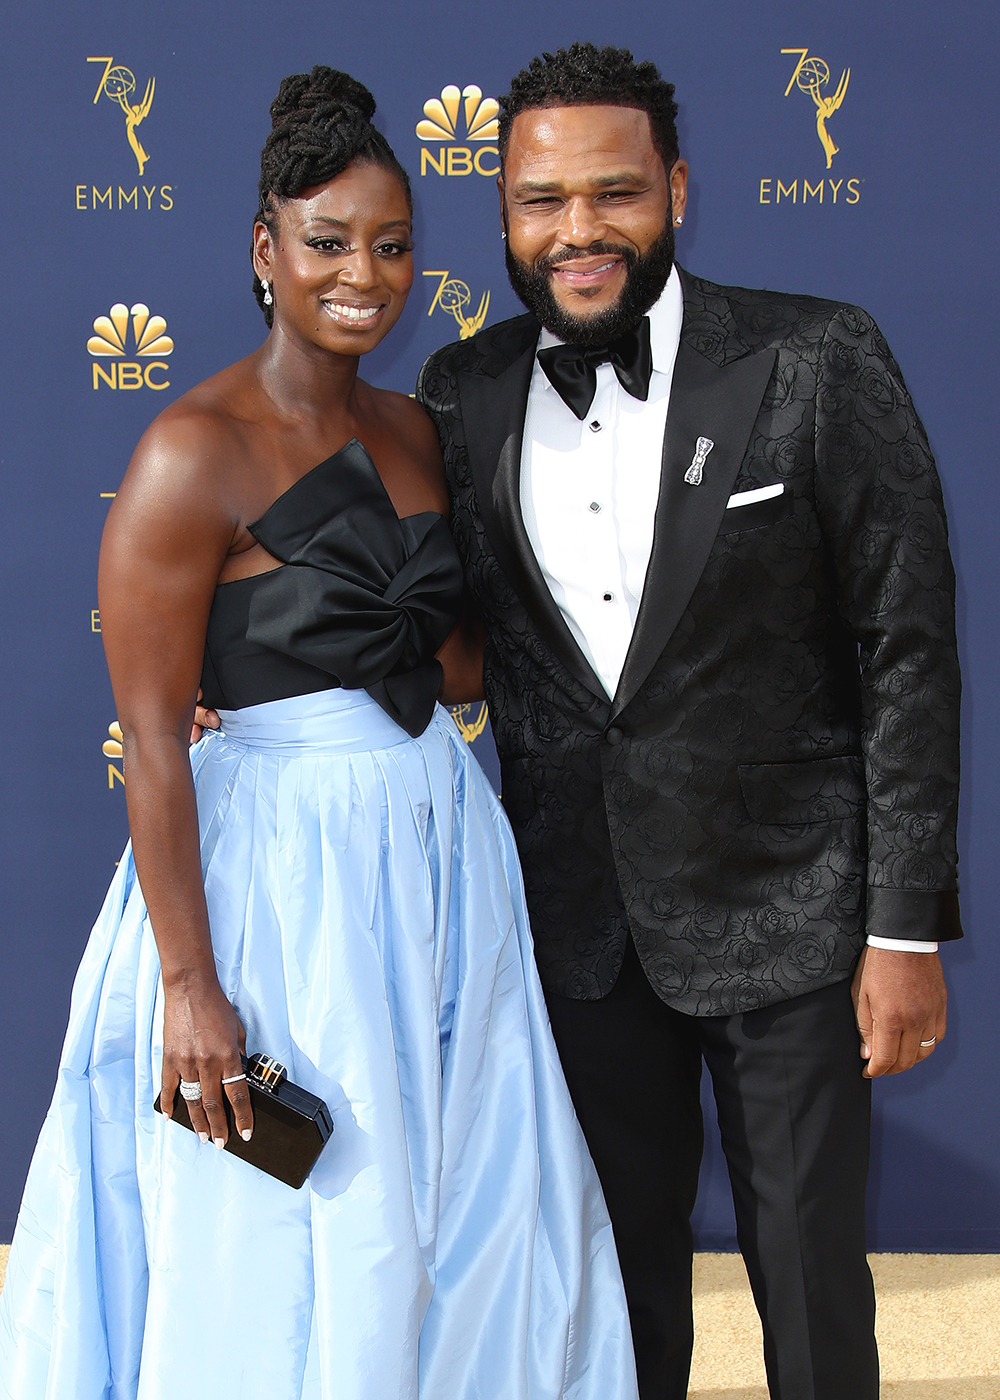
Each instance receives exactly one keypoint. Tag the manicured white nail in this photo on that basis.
(203, 1136)
(220, 1143)
(246, 1134)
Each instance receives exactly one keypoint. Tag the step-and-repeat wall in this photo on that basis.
(846, 150)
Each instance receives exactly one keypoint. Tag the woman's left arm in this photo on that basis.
(461, 656)
(462, 659)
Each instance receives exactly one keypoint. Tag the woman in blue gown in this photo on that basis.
(328, 880)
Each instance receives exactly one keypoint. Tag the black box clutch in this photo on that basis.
(290, 1125)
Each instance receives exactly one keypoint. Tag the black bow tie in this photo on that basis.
(572, 371)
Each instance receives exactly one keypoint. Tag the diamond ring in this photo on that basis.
(191, 1090)
(234, 1078)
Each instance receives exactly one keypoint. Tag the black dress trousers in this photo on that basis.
(794, 1113)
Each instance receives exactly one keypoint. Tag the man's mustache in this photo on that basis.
(566, 255)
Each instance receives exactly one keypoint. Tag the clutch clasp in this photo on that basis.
(266, 1072)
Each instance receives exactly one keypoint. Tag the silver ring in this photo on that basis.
(191, 1090)
(234, 1079)
(926, 1044)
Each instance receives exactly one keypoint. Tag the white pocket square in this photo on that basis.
(761, 493)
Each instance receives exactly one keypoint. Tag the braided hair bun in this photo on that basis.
(304, 91)
(321, 122)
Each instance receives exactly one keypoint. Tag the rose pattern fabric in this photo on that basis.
(792, 756)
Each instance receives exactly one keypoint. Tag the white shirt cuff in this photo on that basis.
(901, 945)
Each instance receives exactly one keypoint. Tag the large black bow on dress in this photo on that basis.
(572, 369)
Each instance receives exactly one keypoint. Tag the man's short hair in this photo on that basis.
(586, 76)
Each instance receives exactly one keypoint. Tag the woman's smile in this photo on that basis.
(353, 315)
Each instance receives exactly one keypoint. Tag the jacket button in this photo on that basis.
(614, 736)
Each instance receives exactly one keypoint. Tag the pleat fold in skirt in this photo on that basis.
(452, 1242)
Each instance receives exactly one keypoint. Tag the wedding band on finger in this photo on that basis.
(191, 1090)
(926, 1044)
(234, 1078)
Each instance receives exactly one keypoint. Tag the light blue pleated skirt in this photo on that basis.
(452, 1242)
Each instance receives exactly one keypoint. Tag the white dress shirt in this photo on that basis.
(589, 492)
(588, 498)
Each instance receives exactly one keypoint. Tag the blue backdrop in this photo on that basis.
(133, 135)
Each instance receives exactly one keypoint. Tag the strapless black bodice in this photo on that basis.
(362, 600)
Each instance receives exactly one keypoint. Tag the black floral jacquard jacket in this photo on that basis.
(778, 772)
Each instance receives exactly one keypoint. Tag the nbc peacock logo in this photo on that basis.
(110, 342)
(457, 116)
(113, 748)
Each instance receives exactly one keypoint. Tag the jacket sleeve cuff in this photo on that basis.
(918, 916)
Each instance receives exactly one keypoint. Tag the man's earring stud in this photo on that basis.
(678, 222)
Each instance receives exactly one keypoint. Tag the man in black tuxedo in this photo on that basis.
(706, 536)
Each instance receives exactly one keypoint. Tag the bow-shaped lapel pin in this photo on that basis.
(694, 472)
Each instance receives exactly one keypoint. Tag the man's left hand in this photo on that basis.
(900, 1000)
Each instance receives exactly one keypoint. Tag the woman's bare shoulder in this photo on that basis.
(195, 442)
(403, 414)
(413, 450)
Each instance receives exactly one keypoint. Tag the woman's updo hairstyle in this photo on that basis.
(321, 122)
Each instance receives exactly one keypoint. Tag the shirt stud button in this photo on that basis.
(595, 506)
(595, 425)
(609, 597)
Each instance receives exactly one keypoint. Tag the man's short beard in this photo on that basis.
(645, 278)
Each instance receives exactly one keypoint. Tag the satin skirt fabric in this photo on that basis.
(452, 1242)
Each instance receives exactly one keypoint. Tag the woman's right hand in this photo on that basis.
(203, 1040)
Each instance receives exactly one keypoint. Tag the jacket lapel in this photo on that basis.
(720, 402)
(493, 412)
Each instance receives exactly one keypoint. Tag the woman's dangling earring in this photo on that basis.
(268, 298)
(503, 235)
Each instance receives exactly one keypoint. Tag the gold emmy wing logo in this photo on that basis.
(109, 341)
(469, 726)
(112, 748)
(118, 84)
(441, 121)
(454, 296)
(811, 76)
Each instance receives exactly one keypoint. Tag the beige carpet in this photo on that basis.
(938, 1327)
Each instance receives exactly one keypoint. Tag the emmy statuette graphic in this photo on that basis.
(118, 83)
(454, 296)
(812, 74)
